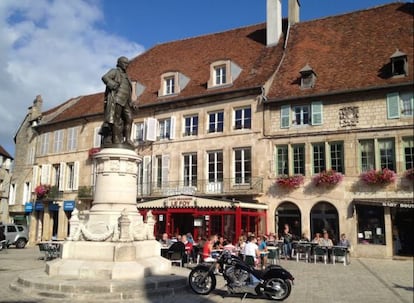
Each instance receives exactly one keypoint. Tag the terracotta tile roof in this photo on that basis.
(4, 153)
(192, 57)
(347, 52)
(82, 106)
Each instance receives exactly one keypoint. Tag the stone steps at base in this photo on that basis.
(38, 284)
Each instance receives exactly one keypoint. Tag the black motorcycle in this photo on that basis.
(274, 282)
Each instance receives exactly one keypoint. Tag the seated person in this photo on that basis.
(188, 247)
(304, 238)
(165, 241)
(326, 241)
(208, 247)
(344, 241)
(317, 238)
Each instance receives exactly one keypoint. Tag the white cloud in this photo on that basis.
(53, 48)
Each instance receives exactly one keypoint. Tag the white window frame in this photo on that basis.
(245, 161)
(214, 126)
(169, 85)
(243, 119)
(189, 178)
(192, 128)
(217, 174)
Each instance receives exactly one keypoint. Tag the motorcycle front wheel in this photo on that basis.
(277, 289)
(202, 281)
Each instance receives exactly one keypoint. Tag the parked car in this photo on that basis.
(15, 234)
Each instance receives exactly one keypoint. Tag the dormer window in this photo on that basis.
(172, 83)
(169, 85)
(222, 73)
(308, 77)
(399, 64)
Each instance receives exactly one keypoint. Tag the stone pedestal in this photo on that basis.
(112, 241)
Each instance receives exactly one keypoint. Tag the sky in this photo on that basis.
(59, 49)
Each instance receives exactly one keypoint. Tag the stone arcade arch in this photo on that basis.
(288, 213)
(324, 216)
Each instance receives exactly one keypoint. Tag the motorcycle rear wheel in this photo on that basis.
(201, 281)
(277, 289)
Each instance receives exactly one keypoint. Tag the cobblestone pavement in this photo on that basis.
(364, 280)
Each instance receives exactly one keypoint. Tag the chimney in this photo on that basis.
(274, 21)
(294, 6)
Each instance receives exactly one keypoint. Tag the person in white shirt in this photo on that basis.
(251, 249)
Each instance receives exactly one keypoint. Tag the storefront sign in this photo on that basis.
(69, 205)
(181, 202)
(28, 207)
(54, 207)
(39, 206)
(401, 205)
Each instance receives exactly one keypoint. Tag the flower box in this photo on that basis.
(327, 178)
(409, 174)
(379, 177)
(93, 151)
(290, 181)
(42, 190)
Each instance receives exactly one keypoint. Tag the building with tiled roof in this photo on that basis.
(6, 164)
(222, 117)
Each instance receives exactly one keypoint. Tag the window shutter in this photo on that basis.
(35, 174)
(317, 113)
(96, 137)
(393, 106)
(45, 176)
(165, 170)
(75, 175)
(285, 116)
(62, 167)
(146, 181)
(172, 128)
(150, 129)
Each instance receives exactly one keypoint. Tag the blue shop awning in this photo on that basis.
(69, 205)
(28, 207)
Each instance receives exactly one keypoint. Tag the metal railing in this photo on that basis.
(233, 186)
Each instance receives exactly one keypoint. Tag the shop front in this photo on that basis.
(204, 217)
(384, 227)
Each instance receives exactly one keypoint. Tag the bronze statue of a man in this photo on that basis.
(118, 105)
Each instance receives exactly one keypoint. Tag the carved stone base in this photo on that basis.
(109, 260)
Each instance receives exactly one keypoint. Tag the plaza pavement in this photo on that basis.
(364, 280)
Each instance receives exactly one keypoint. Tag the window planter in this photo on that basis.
(409, 174)
(290, 181)
(327, 178)
(42, 190)
(378, 177)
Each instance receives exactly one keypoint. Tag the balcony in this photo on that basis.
(253, 186)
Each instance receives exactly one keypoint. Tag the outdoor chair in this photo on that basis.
(320, 252)
(302, 252)
(176, 253)
(340, 253)
(274, 255)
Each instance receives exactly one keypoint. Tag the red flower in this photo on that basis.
(290, 181)
(330, 177)
(93, 151)
(373, 176)
(42, 190)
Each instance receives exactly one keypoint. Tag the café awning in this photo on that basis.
(197, 202)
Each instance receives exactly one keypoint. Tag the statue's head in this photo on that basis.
(122, 62)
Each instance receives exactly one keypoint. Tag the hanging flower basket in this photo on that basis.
(328, 178)
(379, 177)
(42, 190)
(409, 174)
(290, 181)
